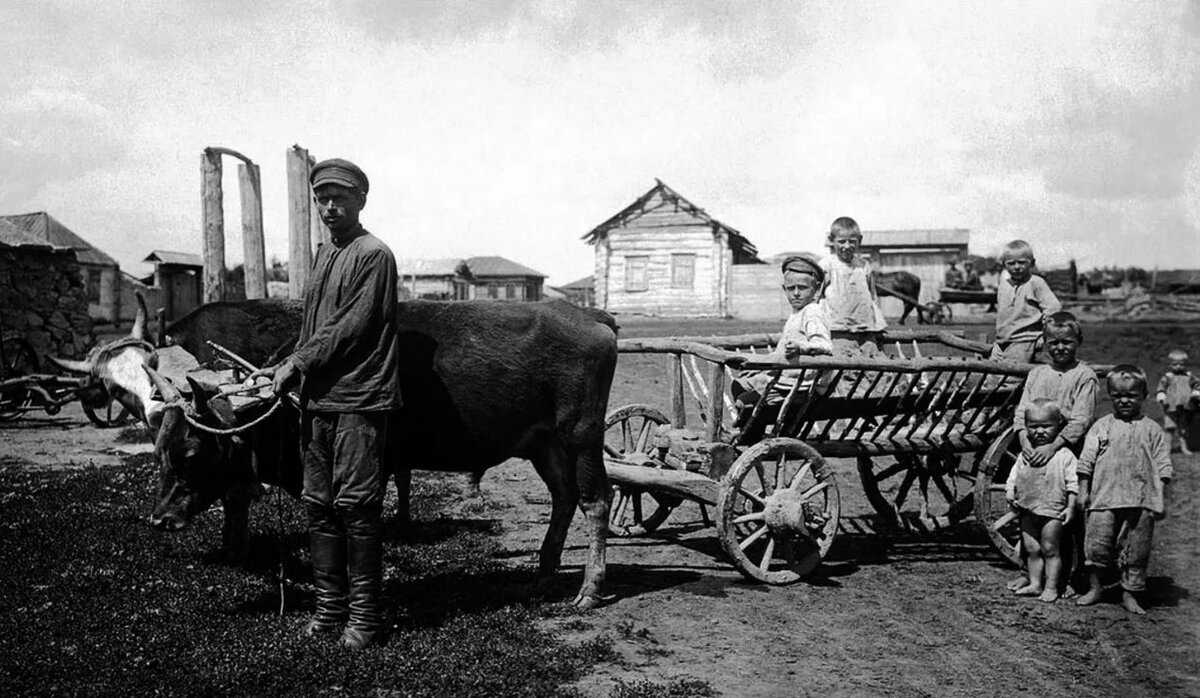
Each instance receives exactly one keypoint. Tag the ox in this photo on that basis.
(481, 381)
(905, 286)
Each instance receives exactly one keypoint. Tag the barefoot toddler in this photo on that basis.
(1178, 393)
(1123, 473)
(1043, 494)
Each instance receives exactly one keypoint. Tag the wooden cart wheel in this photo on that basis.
(991, 508)
(922, 491)
(777, 510)
(19, 360)
(111, 414)
(629, 431)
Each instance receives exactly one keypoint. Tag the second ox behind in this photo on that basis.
(482, 382)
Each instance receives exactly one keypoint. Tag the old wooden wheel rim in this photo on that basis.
(785, 473)
(925, 492)
(629, 431)
(991, 507)
(19, 359)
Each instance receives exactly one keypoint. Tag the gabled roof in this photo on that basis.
(585, 282)
(933, 237)
(12, 236)
(449, 266)
(737, 241)
(44, 227)
(186, 259)
(499, 266)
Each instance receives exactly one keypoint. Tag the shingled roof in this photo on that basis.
(185, 259)
(12, 236)
(737, 242)
(929, 237)
(42, 226)
(499, 266)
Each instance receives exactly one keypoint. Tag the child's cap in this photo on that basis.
(803, 265)
(1177, 355)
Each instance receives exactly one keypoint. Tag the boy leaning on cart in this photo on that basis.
(806, 332)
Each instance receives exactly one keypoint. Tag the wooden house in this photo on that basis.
(663, 255)
(487, 277)
(179, 276)
(101, 273)
(581, 292)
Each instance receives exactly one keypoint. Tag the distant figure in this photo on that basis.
(851, 302)
(953, 278)
(1123, 473)
(1022, 301)
(1179, 394)
(971, 280)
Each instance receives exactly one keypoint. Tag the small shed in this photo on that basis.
(101, 273)
(485, 277)
(925, 252)
(663, 255)
(180, 276)
(582, 292)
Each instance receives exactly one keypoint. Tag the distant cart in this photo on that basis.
(23, 388)
(931, 435)
(948, 297)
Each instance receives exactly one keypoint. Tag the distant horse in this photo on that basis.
(905, 286)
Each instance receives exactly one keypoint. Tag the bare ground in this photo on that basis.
(888, 613)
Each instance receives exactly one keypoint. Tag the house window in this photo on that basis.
(635, 273)
(683, 270)
(92, 279)
(510, 291)
(493, 291)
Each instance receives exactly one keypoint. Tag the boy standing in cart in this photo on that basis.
(346, 363)
(1022, 301)
(850, 301)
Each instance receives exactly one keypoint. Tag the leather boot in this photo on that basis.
(364, 535)
(328, 551)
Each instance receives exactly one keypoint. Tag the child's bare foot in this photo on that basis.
(1069, 593)
(1028, 590)
(1016, 583)
(1049, 595)
(1130, 602)
(1091, 597)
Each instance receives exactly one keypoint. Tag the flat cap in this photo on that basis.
(803, 265)
(338, 171)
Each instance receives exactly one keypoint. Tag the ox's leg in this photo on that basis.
(403, 479)
(554, 467)
(594, 500)
(235, 535)
(908, 308)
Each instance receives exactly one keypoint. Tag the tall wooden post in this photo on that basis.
(675, 374)
(213, 225)
(716, 401)
(255, 262)
(299, 221)
(320, 234)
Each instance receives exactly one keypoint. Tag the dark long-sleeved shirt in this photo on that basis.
(348, 349)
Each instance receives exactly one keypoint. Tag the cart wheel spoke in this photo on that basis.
(768, 555)
(749, 540)
(628, 432)
(748, 518)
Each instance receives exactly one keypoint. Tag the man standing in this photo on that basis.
(345, 360)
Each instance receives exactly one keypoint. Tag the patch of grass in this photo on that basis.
(678, 687)
(99, 603)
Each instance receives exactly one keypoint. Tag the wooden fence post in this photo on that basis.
(716, 401)
(255, 262)
(319, 233)
(213, 225)
(299, 220)
(678, 410)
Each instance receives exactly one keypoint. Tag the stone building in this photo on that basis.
(42, 294)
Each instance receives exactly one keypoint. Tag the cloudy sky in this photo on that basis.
(513, 128)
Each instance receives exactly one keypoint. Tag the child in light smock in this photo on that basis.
(1179, 395)
(850, 301)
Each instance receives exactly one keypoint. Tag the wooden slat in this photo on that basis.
(682, 483)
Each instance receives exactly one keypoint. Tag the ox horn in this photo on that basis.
(138, 331)
(170, 394)
(72, 365)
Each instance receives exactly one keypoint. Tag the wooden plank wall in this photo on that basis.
(656, 235)
(755, 293)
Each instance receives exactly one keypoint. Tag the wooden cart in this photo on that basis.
(931, 436)
(24, 389)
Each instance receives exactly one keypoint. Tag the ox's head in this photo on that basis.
(114, 370)
(196, 467)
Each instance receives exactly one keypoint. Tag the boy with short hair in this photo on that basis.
(1178, 393)
(850, 300)
(1023, 300)
(1123, 473)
